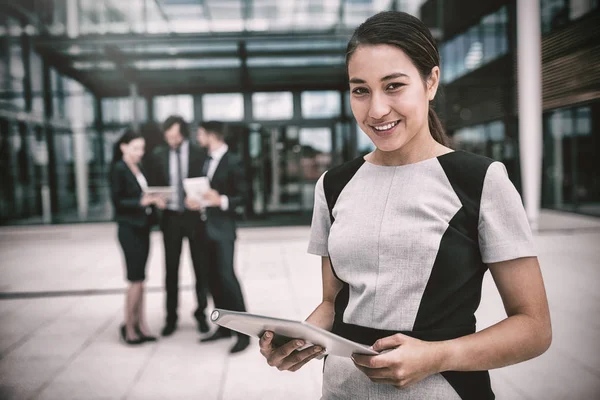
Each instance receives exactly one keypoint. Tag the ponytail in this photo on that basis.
(436, 128)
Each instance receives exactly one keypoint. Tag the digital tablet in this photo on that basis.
(161, 190)
(286, 330)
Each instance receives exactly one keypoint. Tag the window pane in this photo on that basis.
(490, 38)
(223, 107)
(553, 13)
(474, 47)
(502, 24)
(320, 104)
(583, 120)
(182, 105)
(364, 143)
(496, 131)
(471, 139)
(273, 106)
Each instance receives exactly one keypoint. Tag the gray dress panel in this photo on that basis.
(389, 223)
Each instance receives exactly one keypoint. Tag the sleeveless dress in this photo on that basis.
(410, 244)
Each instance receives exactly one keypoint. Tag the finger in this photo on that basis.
(316, 352)
(265, 341)
(369, 361)
(376, 373)
(299, 356)
(390, 342)
(280, 353)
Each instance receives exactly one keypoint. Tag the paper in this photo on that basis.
(195, 188)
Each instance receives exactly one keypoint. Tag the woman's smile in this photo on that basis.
(385, 130)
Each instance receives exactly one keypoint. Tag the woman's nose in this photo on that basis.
(378, 108)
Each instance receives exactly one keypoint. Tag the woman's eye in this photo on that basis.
(394, 86)
(359, 91)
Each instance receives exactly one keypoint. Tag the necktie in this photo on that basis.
(180, 191)
(206, 166)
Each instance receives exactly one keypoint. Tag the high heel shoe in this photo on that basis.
(130, 342)
(143, 337)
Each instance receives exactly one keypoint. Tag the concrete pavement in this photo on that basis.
(61, 301)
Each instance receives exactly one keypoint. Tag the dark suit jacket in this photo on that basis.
(158, 164)
(228, 180)
(126, 194)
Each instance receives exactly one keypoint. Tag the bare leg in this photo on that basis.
(142, 321)
(130, 311)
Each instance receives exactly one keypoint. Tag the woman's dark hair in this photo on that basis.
(125, 138)
(410, 35)
(176, 119)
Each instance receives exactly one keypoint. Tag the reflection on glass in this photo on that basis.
(223, 107)
(364, 143)
(315, 147)
(182, 105)
(273, 106)
(321, 104)
(553, 13)
(472, 139)
(482, 43)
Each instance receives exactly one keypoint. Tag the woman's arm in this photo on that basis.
(323, 315)
(524, 334)
(286, 357)
(118, 189)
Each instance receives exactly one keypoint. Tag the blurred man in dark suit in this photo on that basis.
(217, 226)
(169, 165)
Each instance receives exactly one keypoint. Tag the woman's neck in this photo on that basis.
(416, 150)
(131, 164)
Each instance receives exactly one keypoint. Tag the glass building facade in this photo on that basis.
(75, 73)
(479, 84)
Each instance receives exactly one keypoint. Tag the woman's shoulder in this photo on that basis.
(118, 167)
(465, 160)
(345, 170)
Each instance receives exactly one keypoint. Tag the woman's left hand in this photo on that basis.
(407, 361)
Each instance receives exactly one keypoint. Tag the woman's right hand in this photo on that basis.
(285, 357)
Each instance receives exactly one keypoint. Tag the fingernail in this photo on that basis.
(267, 335)
(299, 343)
(317, 349)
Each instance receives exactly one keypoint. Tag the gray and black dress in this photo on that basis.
(411, 244)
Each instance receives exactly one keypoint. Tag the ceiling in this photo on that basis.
(200, 46)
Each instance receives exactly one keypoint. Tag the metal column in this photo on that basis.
(133, 95)
(530, 105)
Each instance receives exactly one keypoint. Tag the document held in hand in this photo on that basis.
(286, 330)
(196, 187)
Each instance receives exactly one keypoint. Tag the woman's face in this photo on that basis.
(134, 150)
(387, 95)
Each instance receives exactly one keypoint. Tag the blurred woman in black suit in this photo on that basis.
(134, 214)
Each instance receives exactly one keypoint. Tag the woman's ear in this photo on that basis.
(433, 82)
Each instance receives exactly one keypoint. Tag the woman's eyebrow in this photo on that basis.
(394, 76)
(385, 78)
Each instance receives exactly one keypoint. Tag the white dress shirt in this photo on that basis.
(216, 157)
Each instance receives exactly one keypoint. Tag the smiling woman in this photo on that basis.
(406, 234)
(392, 81)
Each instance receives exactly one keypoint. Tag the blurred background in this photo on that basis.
(74, 73)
